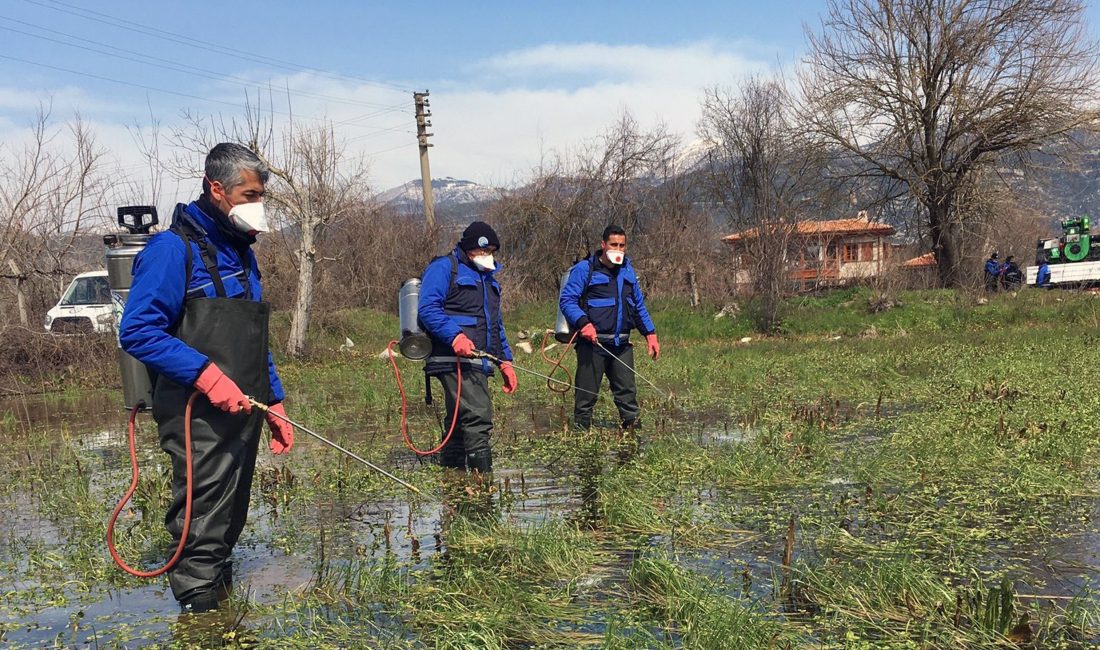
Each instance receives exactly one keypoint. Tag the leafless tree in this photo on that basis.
(932, 93)
(52, 192)
(319, 184)
(560, 214)
(766, 176)
(316, 184)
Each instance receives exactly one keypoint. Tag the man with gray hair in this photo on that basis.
(195, 318)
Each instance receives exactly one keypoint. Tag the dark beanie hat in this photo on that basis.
(478, 235)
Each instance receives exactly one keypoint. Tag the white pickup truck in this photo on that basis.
(86, 306)
(1070, 274)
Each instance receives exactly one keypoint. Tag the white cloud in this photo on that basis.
(520, 104)
(66, 99)
(688, 64)
(491, 126)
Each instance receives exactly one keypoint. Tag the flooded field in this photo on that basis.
(907, 491)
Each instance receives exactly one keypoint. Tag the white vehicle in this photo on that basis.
(86, 306)
(1074, 274)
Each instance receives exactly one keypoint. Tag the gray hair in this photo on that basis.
(226, 161)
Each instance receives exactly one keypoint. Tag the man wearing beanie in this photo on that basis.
(459, 309)
(602, 299)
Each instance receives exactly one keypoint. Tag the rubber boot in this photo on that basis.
(480, 462)
(200, 602)
(225, 584)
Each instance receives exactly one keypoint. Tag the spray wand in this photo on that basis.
(263, 407)
(627, 366)
(497, 360)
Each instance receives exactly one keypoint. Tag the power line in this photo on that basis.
(206, 46)
(167, 64)
(118, 81)
(159, 90)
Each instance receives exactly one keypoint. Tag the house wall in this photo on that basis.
(839, 258)
(868, 253)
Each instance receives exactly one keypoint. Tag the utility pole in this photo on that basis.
(422, 135)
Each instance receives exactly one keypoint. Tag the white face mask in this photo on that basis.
(484, 262)
(249, 218)
(615, 257)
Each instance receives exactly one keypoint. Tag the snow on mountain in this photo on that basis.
(445, 192)
(692, 156)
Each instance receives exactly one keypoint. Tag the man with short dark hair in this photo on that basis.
(459, 309)
(603, 300)
(195, 318)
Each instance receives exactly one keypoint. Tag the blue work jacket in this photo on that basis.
(157, 294)
(468, 303)
(610, 299)
(1042, 277)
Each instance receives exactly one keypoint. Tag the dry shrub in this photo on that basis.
(33, 361)
(362, 261)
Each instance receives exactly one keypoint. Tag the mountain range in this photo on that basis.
(455, 199)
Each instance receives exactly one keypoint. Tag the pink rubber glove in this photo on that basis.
(282, 433)
(653, 347)
(510, 380)
(463, 346)
(222, 391)
(588, 332)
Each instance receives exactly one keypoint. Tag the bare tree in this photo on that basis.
(318, 185)
(52, 192)
(929, 93)
(561, 213)
(766, 176)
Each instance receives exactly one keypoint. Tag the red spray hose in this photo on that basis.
(556, 365)
(133, 486)
(404, 407)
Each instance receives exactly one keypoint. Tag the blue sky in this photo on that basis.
(512, 82)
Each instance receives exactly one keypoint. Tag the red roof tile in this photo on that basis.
(858, 226)
(924, 261)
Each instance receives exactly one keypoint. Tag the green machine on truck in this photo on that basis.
(1074, 257)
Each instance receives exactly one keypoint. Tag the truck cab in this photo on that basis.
(85, 306)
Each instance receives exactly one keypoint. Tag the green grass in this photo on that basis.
(939, 460)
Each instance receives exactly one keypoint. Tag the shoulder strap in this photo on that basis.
(454, 271)
(587, 283)
(209, 260)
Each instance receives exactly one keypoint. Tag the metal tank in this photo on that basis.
(562, 331)
(413, 342)
(122, 248)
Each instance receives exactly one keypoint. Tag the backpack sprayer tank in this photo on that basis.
(413, 342)
(562, 331)
(122, 248)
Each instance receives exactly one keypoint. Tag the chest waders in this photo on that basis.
(233, 333)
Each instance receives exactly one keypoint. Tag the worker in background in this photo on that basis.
(459, 309)
(1011, 277)
(603, 301)
(992, 272)
(194, 317)
(1042, 277)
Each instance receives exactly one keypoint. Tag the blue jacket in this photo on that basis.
(1042, 278)
(992, 267)
(157, 294)
(612, 300)
(471, 306)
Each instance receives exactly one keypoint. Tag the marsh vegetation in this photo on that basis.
(921, 477)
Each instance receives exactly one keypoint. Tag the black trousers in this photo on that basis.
(223, 460)
(592, 364)
(469, 446)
